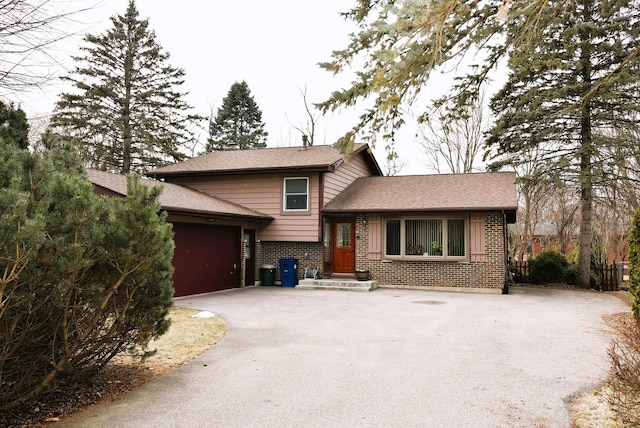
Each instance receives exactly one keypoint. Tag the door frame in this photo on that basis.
(249, 262)
(340, 251)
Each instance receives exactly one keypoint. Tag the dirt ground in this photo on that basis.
(187, 338)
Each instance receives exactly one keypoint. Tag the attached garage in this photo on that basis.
(206, 258)
(209, 252)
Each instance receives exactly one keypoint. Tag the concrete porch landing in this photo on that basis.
(346, 284)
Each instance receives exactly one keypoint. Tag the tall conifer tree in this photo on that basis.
(558, 100)
(238, 123)
(14, 127)
(127, 113)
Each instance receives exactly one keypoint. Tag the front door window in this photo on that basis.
(344, 235)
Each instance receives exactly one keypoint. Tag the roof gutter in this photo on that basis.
(243, 171)
(507, 211)
(221, 216)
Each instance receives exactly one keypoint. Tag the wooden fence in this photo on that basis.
(520, 271)
(608, 276)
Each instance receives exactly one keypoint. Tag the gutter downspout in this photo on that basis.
(505, 240)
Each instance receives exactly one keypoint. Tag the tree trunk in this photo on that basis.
(126, 114)
(584, 255)
(586, 149)
(526, 234)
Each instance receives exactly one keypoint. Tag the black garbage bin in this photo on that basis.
(289, 272)
(268, 275)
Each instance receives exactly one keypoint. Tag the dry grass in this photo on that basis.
(625, 382)
(614, 404)
(187, 338)
(625, 296)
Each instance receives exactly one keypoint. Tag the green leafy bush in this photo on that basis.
(548, 266)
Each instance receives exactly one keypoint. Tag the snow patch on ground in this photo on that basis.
(204, 314)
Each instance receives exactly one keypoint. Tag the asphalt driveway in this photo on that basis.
(298, 358)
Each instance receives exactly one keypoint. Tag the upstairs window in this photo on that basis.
(296, 194)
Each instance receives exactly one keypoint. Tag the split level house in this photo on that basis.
(235, 211)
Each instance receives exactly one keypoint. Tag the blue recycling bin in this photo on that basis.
(289, 272)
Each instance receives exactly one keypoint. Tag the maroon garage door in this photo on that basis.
(206, 258)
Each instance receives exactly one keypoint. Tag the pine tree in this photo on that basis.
(238, 123)
(556, 99)
(126, 113)
(82, 277)
(14, 127)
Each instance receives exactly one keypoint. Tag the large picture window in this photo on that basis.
(426, 237)
(296, 194)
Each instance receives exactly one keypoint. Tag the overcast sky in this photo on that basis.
(274, 46)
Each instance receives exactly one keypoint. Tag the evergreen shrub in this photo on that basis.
(571, 273)
(82, 277)
(548, 266)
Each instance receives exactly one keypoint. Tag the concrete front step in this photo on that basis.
(337, 284)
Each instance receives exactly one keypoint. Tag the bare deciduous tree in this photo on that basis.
(452, 139)
(393, 164)
(533, 183)
(562, 212)
(28, 29)
(308, 128)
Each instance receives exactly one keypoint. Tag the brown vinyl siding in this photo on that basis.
(344, 175)
(263, 193)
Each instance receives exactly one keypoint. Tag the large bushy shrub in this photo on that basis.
(82, 277)
(548, 267)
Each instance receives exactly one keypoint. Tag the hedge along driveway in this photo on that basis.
(385, 358)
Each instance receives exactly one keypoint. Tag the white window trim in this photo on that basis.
(403, 246)
(284, 196)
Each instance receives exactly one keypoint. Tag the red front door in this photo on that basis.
(344, 246)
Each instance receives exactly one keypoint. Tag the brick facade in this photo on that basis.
(467, 275)
(487, 274)
(309, 254)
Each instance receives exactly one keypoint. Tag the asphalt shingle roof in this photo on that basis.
(177, 198)
(262, 160)
(443, 192)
